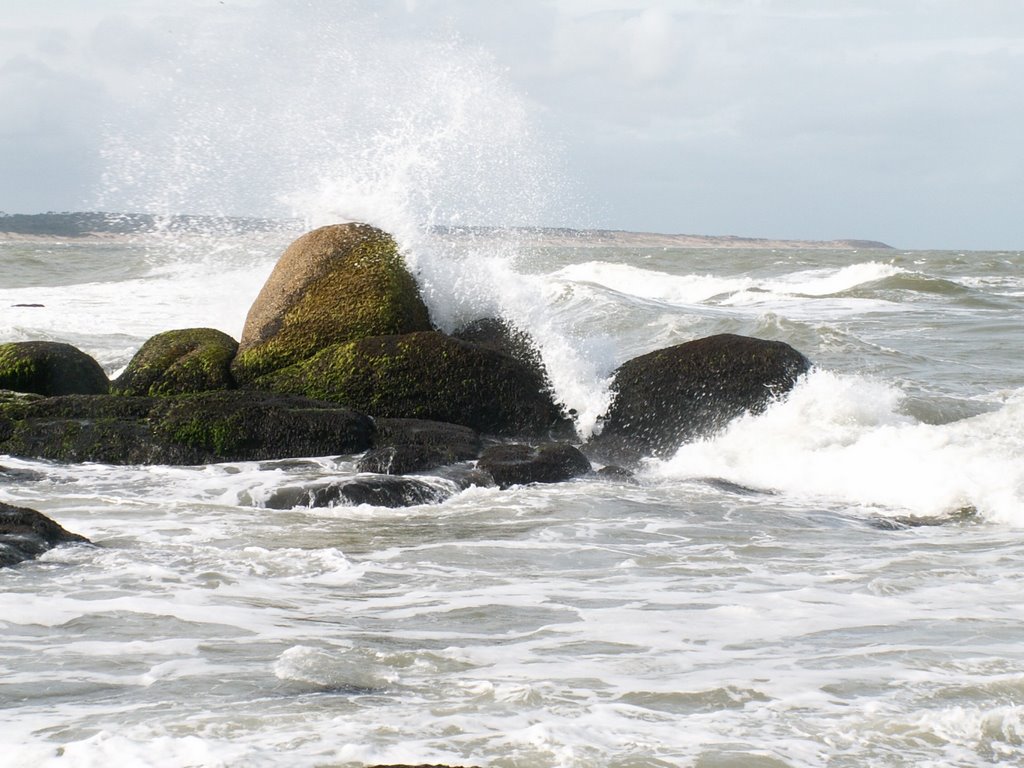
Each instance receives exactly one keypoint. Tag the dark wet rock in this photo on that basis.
(16, 475)
(497, 334)
(616, 473)
(332, 285)
(401, 460)
(180, 362)
(374, 490)
(25, 534)
(669, 397)
(518, 464)
(50, 368)
(188, 429)
(426, 375)
(415, 445)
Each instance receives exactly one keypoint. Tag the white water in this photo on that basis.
(738, 605)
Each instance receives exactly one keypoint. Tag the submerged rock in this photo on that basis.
(414, 445)
(50, 368)
(188, 429)
(426, 375)
(666, 398)
(180, 362)
(374, 490)
(332, 285)
(26, 534)
(517, 464)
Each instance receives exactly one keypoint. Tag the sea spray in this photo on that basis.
(843, 440)
(326, 113)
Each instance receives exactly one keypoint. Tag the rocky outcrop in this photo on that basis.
(426, 375)
(26, 534)
(332, 285)
(668, 397)
(518, 464)
(401, 446)
(50, 368)
(180, 362)
(188, 429)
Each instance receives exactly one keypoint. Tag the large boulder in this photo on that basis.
(332, 285)
(188, 429)
(426, 375)
(25, 534)
(179, 362)
(50, 368)
(666, 398)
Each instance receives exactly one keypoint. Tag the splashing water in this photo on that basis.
(326, 113)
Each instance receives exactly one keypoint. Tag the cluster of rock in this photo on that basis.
(339, 356)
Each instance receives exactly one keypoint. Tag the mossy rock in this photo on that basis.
(332, 285)
(180, 362)
(50, 368)
(671, 396)
(188, 429)
(426, 375)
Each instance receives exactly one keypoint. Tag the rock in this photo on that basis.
(50, 368)
(517, 464)
(188, 429)
(615, 473)
(401, 460)
(668, 397)
(180, 362)
(497, 334)
(25, 534)
(376, 491)
(333, 285)
(426, 375)
(414, 445)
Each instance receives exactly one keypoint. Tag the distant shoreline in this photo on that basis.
(92, 226)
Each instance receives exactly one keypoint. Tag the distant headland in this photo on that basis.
(93, 224)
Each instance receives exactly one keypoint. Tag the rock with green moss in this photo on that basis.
(332, 285)
(426, 375)
(188, 429)
(50, 368)
(180, 362)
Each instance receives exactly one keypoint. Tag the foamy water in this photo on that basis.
(759, 599)
(742, 603)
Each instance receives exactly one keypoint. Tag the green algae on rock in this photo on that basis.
(50, 368)
(335, 284)
(426, 375)
(187, 429)
(179, 362)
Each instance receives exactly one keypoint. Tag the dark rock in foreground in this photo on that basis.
(414, 445)
(50, 368)
(25, 534)
(374, 490)
(517, 464)
(669, 397)
(180, 362)
(189, 429)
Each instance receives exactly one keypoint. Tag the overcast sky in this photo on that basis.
(895, 120)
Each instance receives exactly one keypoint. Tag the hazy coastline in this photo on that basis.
(117, 227)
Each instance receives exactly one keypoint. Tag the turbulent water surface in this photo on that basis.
(759, 599)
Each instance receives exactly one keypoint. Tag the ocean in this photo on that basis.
(835, 582)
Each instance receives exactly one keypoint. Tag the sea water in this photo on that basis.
(766, 597)
(758, 599)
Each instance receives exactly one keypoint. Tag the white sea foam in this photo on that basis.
(842, 439)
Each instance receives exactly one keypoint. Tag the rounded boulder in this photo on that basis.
(180, 362)
(50, 368)
(332, 285)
